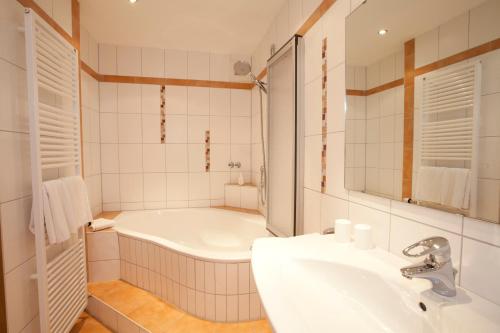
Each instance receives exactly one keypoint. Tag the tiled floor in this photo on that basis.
(87, 324)
(157, 316)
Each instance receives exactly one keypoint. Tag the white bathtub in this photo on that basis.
(207, 233)
(197, 259)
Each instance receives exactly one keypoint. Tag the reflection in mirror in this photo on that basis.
(423, 103)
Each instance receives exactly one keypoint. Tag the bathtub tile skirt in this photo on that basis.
(216, 291)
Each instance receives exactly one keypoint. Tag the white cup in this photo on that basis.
(342, 230)
(363, 236)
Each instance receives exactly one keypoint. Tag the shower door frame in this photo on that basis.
(296, 44)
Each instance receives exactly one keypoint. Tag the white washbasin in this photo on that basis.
(313, 284)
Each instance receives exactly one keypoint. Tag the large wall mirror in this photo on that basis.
(423, 103)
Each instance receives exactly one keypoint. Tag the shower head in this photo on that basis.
(242, 68)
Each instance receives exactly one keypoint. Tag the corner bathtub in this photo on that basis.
(197, 259)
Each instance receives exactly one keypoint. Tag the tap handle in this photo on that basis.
(438, 247)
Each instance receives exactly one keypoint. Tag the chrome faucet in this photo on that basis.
(436, 267)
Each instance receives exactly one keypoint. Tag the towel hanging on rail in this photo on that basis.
(65, 208)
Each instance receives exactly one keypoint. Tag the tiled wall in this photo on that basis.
(18, 244)
(91, 140)
(59, 10)
(374, 129)
(211, 290)
(103, 256)
(475, 244)
(461, 33)
(141, 172)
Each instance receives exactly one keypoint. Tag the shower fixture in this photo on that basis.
(242, 68)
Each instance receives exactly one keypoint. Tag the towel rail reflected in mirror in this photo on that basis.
(422, 102)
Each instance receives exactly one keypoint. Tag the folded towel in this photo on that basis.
(428, 187)
(100, 224)
(456, 188)
(65, 208)
(445, 186)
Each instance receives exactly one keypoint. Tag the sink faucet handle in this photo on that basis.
(438, 248)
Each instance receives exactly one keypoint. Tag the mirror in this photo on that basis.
(423, 103)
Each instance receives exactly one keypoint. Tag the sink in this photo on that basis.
(313, 284)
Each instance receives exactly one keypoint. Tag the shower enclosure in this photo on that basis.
(285, 119)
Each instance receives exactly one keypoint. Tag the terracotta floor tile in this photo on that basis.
(160, 317)
(87, 324)
(156, 316)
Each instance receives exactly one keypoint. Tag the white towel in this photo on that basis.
(100, 224)
(65, 208)
(54, 213)
(455, 188)
(79, 199)
(428, 187)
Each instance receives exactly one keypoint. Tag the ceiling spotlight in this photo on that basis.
(382, 32)
(132, 1)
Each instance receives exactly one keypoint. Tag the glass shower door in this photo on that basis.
(285, 140)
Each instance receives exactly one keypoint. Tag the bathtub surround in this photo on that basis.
(394, 224)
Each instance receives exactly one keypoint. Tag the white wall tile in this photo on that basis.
(336, 99)
(129, 128)
(426, 48)
(453, 36)
(220, 102)
(331, 209)
(198, 66)
(128, 60)
(312, 163)
(475, 257)
(240, 130)
(199, 186)
(241, 102)
(107, 59)
(150, 99)
(176, 100)
(483, 23)
(129, 98)
(249, 197)
(312, 100)
(176, 157)
(151, 128)
(220, 128)
(15, 178)
(220, 67)
(110, 188)
(197, 125)
(153, 157)
(13, 93)
(17, 241)
(108, 97)
(177, 186)
(109, 158)
(312, 211)
(131, 187)
(153, 62)
(155, 187)
(379, 221)
(176, 129)
(482, 231)
(198, 101)
(196, 157)
(176, 64)
(109, 128)
(232, 195)
(21, 296)
(62, 14)
(217, 184)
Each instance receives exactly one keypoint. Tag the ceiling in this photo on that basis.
(404, 20)
(218, 26)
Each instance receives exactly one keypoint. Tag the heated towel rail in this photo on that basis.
(54, 117)
(449, 122)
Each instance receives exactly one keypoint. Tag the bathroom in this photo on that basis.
(250, 166)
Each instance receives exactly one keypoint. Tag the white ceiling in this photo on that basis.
(218, 26)
(405, 19)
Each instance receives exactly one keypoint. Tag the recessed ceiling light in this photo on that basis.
(382, 32)
(132, 1)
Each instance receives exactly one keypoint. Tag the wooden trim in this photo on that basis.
(50, 21)
(3, 305)
(409, 96)
(87, 69)
(262, 74)
(467, 54)
(75, 22)
(385, 86)
(174, 82)
(315, 16)
(375, 90)
(306, 26)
